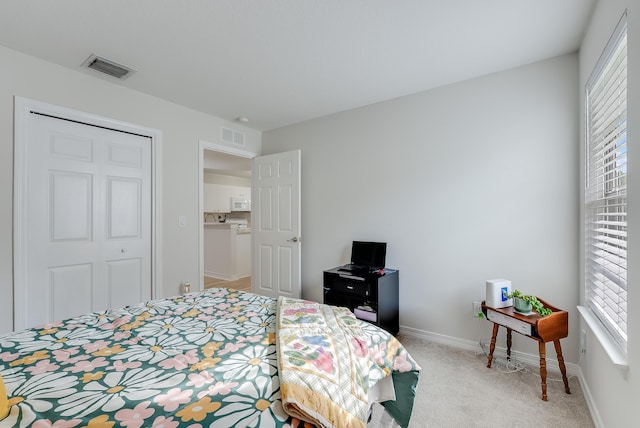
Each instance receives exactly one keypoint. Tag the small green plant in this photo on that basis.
(535, 303)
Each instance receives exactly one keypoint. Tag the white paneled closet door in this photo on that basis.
(88, 227)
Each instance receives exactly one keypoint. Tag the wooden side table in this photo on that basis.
(553, 327)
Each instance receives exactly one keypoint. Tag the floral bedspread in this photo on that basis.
(199, 360)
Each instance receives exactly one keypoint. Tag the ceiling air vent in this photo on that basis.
(233, 137)
(109, 67)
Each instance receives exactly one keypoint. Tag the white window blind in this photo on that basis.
(606, 188)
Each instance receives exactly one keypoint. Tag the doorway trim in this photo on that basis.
(215, 147)
(23, 107)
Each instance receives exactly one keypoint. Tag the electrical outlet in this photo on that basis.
(477, 308)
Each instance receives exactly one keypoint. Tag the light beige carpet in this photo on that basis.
(456, 389)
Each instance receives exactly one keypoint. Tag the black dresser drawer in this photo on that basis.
(377, 290)
(350, 286)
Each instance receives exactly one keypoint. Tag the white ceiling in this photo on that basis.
(282, 62)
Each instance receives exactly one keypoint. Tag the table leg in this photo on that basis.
(508, 344)
(563, 368)
(493, 343)
(543, 368)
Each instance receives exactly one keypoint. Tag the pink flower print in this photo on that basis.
(133, 340)
(134, 417)
(119, 335)
(116, 323)
(253, 339)
(178, 362)
(63, 355)
(359, 347)
(192, 356)
(77, 325)
(222, 388)
(74, 326)
(173, 399)
(46, 423)
(199, 379)
(162, 422)
(231, 347)
(400, 363)
(41, 367)
(120, 366)
(75, 360)
(95, 346)
(324, 361)
(218, 389)
(181, 361)
(8, 356)
(88, 366)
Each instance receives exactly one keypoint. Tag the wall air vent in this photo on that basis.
(230, 136)
(109, 67)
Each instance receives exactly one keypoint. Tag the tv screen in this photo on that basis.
(369, 254)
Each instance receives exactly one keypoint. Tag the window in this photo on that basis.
(606, 188)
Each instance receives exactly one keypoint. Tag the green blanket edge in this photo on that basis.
(405, 385)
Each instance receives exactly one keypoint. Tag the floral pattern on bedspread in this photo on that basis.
(199, 360)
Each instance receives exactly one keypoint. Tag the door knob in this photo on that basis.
(124, 250)
(294, 239)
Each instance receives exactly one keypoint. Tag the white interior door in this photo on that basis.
(88, 220)
(275, 224)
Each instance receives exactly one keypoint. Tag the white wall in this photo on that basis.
(467, 182)
(613, 392)
(182, 128)
(210, 177)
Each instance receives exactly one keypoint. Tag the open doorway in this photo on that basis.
(225, 217)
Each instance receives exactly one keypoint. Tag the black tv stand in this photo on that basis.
(375, 290)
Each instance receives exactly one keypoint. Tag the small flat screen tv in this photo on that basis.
(370, 255)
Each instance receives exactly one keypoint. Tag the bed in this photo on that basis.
(217, 358)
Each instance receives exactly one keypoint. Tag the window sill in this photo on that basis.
(612, 349)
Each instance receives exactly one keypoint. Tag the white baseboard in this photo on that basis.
(529, 359)
(591, 404)
(218, 275)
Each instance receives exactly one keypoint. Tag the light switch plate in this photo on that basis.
(182, 221)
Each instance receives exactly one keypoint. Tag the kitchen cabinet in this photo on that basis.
(227, 251)
(241, 192)
(243, 254)
(217, 197)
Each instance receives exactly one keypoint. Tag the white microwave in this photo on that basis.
(240, 204)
